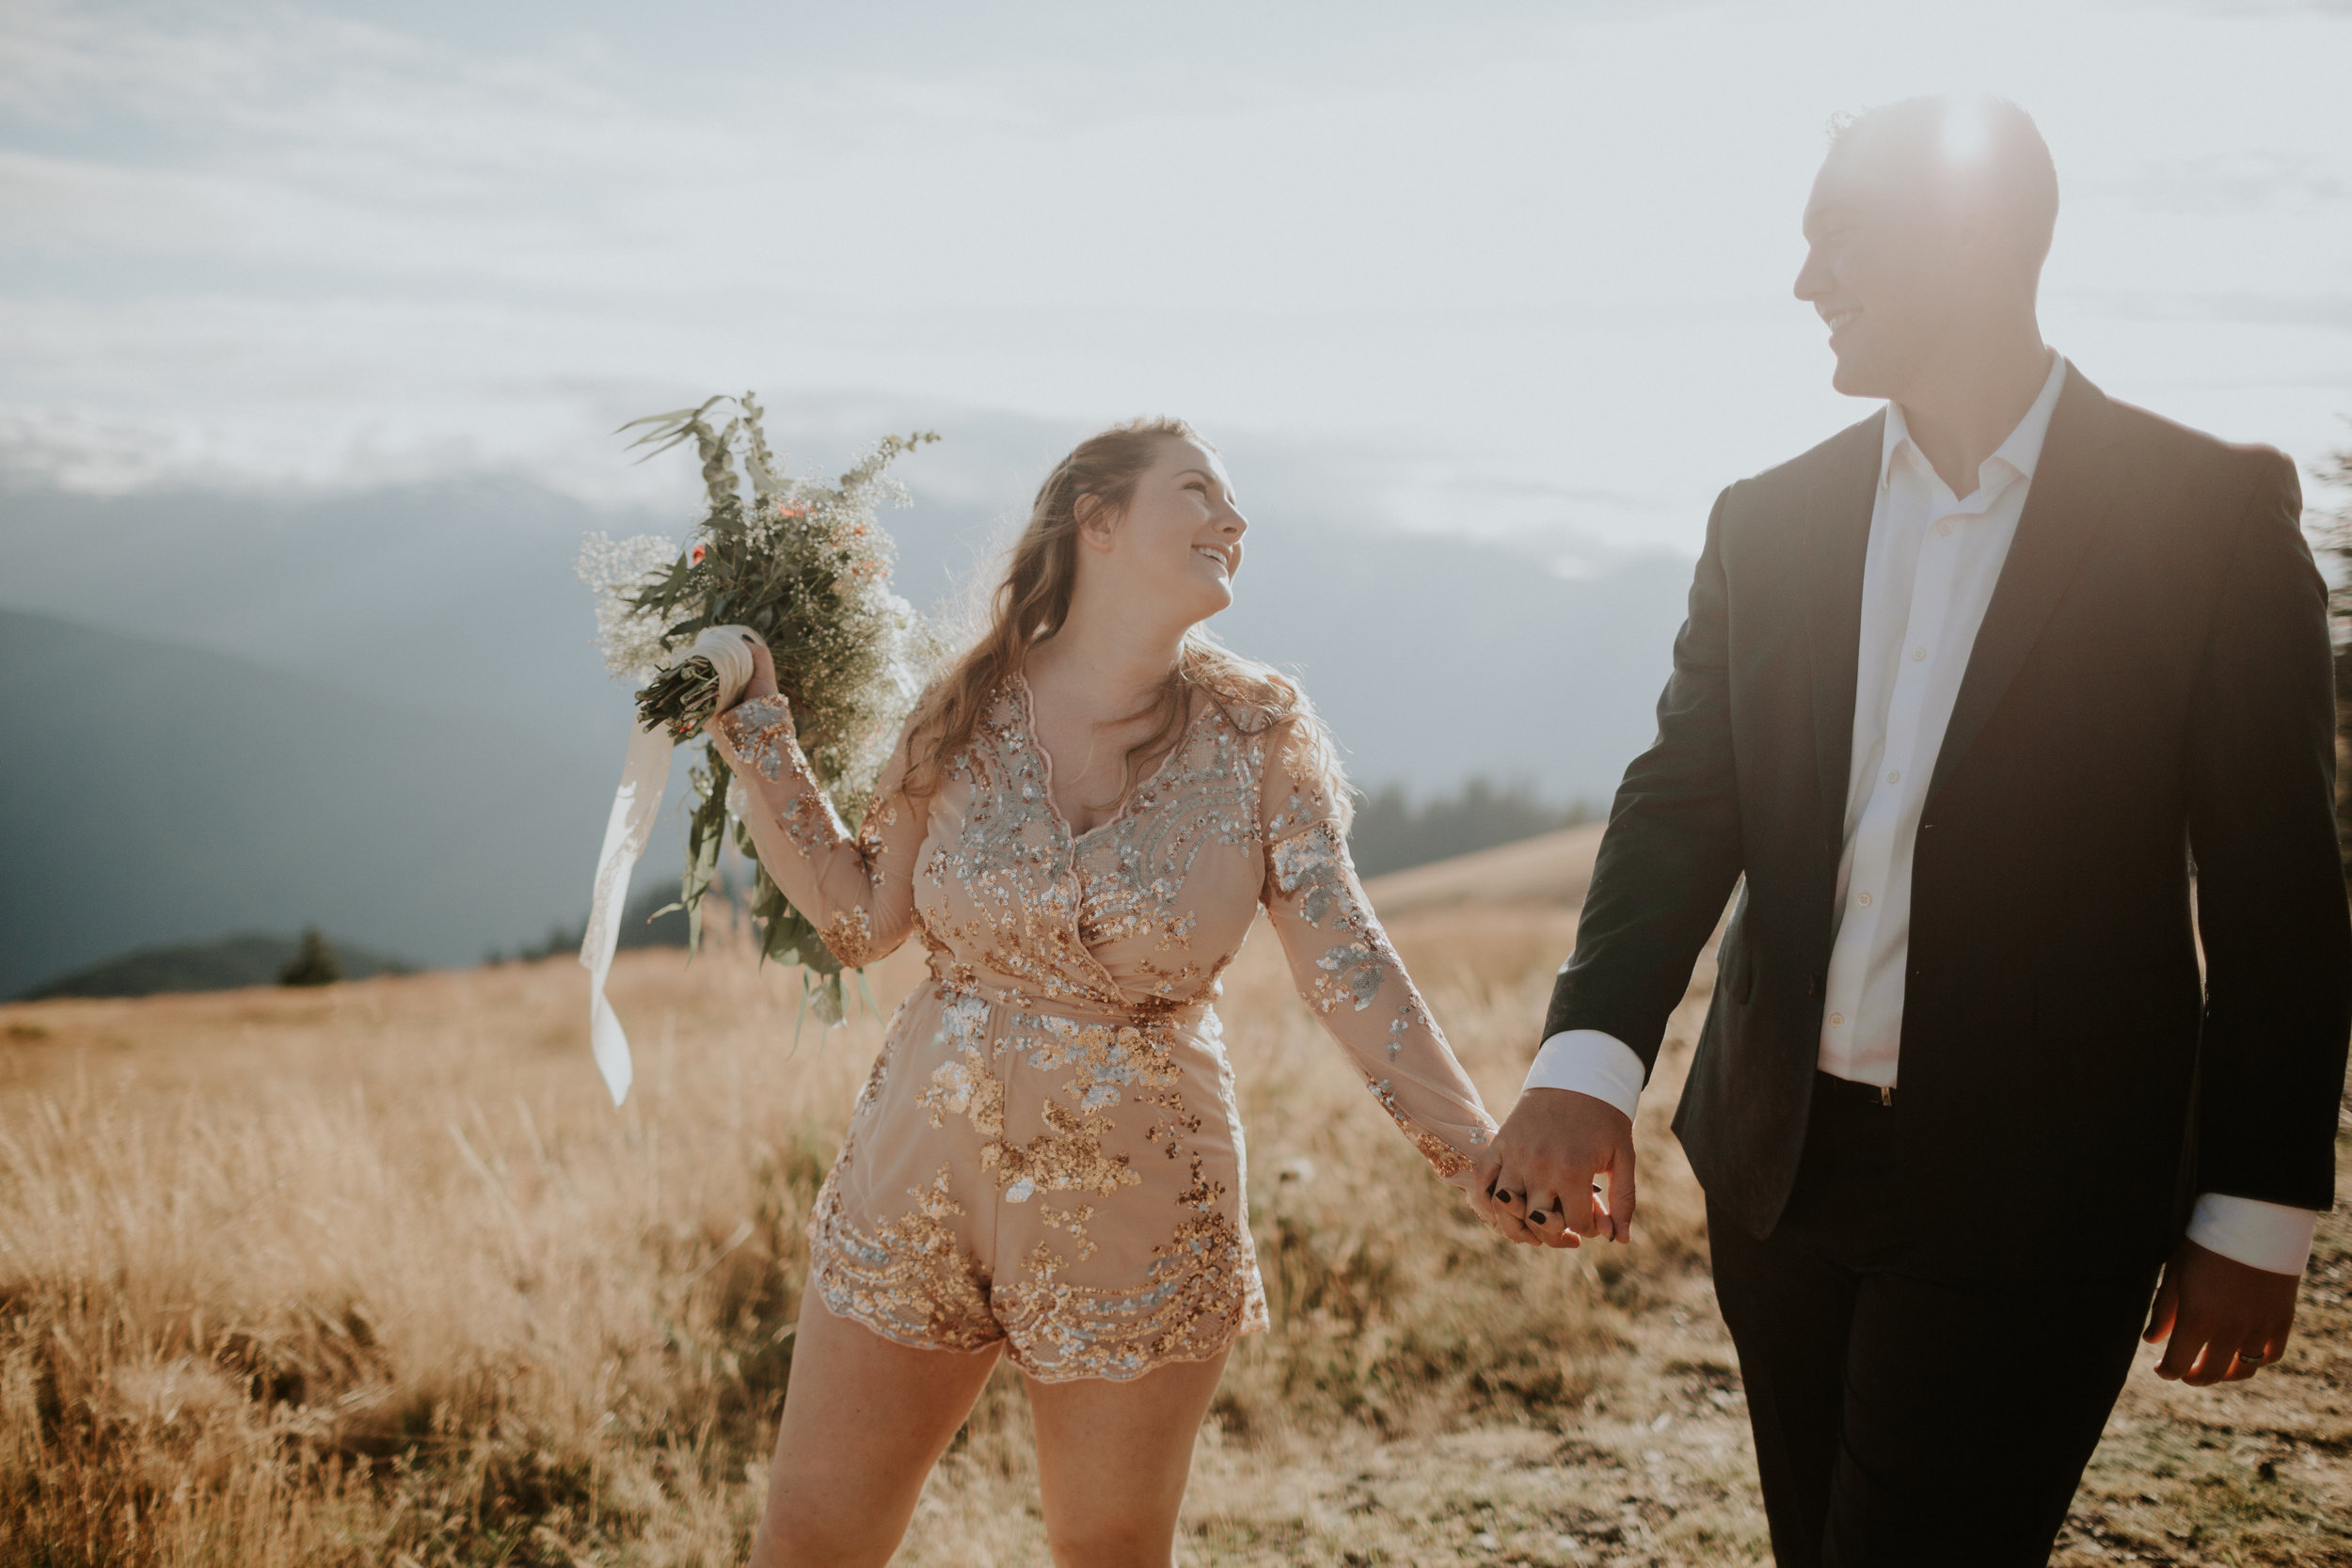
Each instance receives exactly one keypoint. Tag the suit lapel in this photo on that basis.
(1837, 537)
(2074, 484)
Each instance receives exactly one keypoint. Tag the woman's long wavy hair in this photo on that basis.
(1032, 601)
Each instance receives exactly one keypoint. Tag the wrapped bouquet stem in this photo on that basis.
(804, 566)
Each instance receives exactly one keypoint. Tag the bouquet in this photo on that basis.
(807, 566)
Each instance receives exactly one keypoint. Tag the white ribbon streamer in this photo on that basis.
(643, 777)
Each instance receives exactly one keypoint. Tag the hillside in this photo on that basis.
(1552, 870)
(254, 958)
(154, 794)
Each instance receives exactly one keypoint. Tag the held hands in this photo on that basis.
(1536, 1182)
(2226, 1319)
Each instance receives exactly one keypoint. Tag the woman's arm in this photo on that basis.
(858, 891)
(1345, 968)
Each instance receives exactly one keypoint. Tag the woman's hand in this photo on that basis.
(763, 670)
(1500, 1216)
(762, 684)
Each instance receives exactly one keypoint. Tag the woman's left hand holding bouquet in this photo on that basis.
(758, 728)
(763, 682)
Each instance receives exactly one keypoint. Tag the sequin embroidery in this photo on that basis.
(1047, 1152)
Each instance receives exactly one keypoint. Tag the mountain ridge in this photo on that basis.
(382, 713)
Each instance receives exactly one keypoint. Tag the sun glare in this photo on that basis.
(1967, 129)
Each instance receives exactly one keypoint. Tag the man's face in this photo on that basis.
(1884, 267)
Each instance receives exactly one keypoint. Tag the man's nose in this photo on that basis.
(1811, 276)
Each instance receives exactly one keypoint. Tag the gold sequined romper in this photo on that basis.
(1047, 1152)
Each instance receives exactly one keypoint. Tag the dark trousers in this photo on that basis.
(1907, 1414)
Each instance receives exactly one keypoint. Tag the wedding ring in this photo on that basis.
(2251, 1358)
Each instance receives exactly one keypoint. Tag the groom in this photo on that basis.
(1993, 709)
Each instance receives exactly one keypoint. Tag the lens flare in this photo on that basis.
(1967, 129)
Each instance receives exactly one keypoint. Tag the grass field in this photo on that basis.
(375, 1274)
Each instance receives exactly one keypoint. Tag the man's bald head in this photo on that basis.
(1980, 161)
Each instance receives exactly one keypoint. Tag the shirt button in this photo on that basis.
(1837, 1021)
(1864, 901)
(1943, 525)
(1895, 777)
(1917, 654)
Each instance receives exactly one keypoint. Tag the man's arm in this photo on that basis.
(2271, 913)
(1672, 851)
(1667, 863)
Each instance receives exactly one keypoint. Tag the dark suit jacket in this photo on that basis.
(2152, 684)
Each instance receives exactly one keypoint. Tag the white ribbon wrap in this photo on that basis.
(644, 776)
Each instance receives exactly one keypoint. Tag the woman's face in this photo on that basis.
(1177, 547)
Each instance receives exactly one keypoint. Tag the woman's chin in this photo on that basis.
(1205, 592)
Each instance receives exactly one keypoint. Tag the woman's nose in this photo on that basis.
(1232, 523)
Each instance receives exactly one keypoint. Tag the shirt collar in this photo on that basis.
(2020, 452)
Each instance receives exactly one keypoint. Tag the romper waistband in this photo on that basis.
(1149, 1012)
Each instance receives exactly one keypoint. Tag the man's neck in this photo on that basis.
(1965, 410)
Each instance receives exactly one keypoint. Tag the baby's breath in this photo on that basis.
(614, 569)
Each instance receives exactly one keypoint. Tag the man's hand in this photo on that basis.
(1536, 1184)
(2227, 1321)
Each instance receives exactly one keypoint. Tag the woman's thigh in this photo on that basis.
(1112, 1458)
(865, 1419)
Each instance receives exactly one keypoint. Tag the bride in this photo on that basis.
(1083, 816)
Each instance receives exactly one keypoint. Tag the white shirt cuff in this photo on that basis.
(2272, 1235)
(1590, 1062)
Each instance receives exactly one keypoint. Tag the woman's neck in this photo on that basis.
(1105, 665)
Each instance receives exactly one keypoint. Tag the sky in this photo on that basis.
(1519, 270)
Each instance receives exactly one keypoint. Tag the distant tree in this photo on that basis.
(316, 964)
(1392, 832)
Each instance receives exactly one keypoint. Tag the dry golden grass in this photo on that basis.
(376, 1275)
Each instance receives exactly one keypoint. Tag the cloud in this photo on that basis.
(2230, 185)
(2332, 311)
(1532, 260)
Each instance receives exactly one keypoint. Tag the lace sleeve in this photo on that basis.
(857, 890)
(1342, 963)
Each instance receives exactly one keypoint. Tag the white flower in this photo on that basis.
(629, 638)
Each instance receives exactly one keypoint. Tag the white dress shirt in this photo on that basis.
(1927, 579)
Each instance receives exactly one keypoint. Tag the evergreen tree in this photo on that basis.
(2335, 539)
(317, 964)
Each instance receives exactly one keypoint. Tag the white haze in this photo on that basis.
(1518, 269)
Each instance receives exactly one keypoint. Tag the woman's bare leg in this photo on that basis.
(1112, 1459)
(865, 1419)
